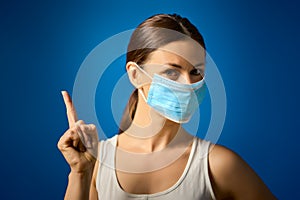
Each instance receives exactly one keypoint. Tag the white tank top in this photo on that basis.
(194, 183)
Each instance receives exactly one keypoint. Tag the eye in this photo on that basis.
(171, 74)
(197, 72)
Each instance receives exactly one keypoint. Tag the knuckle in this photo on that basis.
(72, 131)
(82, 126)
(72, 134)
(77, 129)
(80, 122)
(93, 127)
(59, 146)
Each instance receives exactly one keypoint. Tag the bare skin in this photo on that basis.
(231, 177)
(80, 160)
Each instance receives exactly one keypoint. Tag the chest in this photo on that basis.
(153, 181)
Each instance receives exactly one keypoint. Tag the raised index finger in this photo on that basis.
(71, 112)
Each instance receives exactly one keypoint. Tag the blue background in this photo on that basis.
(43, 43)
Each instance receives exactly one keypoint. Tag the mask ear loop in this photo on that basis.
(144, 97)
(139, 88)
(142, 70)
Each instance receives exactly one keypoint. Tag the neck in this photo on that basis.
(150, 130)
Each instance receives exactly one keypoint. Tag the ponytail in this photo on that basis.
(129, 112)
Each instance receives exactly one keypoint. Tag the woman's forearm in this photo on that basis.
(78, 185)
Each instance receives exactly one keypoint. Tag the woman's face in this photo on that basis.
(181, 61)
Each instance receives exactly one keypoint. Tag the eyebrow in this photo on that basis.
(180, 67)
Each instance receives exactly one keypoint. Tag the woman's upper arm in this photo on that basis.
(233, 178)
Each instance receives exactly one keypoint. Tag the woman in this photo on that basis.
(155, 157)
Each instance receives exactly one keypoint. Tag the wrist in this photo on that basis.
(82, 175)
(82, 170)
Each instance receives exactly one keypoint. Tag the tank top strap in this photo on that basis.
(200, 166)
(107, 151)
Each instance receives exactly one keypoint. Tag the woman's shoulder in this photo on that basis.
(232, 176)
(223, 160)
(224, 166)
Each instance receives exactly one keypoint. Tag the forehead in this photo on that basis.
(179, 51)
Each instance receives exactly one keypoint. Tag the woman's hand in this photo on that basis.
(79, 144)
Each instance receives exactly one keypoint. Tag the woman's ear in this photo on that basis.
(133, 73)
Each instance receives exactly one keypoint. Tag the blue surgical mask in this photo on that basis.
(175, 101)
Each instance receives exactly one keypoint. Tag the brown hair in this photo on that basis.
(147, 37)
